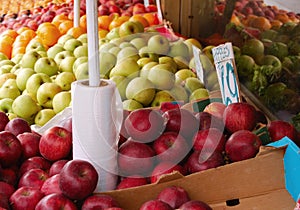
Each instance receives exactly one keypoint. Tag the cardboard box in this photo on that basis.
(256, 183)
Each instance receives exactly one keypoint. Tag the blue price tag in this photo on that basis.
(227, 76)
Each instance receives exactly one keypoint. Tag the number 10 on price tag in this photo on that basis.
(227, 74)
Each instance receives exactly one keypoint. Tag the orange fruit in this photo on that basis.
(141, 19)
(28, 34)
(64, 26)
(102, 33)
(276, 24)
(18, 50)
(48, 33)
(104, 21)
(20, 30)
(282, 17)
(6, 48)
(10, 32)
(151, 18)
(261, 23)
(118, 21)
(76, 31)
(82, 22)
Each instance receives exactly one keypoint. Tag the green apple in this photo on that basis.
(6, 62)
(192, 83)
(207, 50)
(162, 77)
(128, 28)
(179, 93)
(46, 92)
(179, 48)
(66, 64)
(82, 71)
(126, 44)
(62, 55)
(9, 89)
(26, 107)
(143, 61)
(17, 58)
(206, 63)
(159, 44)
(61, 101)
(139, 42)
(78, 62)
(23, 76)
(168, 60)
(121, 83)
(35, 81)
(146, 68)
(64, 80)
(5, 68)
(182, 62)
(113, 33)
(52, 51)
(126, 67)
(182, 74)
(35, 45)
(114, 50)
(211, 80)
(43, 116)
(46, 65)
(29, 59)
(72, 44)
(3, 56)
(105, 47)
(162, 96)
(131, 105)
(199, 94)
(107, 62)
(11, 115)
(16, 68)
(6, 105)
(190, 42)
(81, 51)
(6, 76)
(141, 89)
(128, 52)
(146, 52)
(83, 38)
(62, 39)
(43, 53)
(103, 40)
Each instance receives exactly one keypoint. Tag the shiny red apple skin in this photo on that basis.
(207, 120)
(99, 201)
(3, 120)
(144, 125)
(6, 189)
(25, 197)
(132, 181)
(181, 121)
(239, 116)
(175, 196)
(155, 204)
(78, 179)
(164, 168)
(33, 178)
(242, 145)
(10, 149)
(34, 162)
(17, 126)
(56, 143)
(55, 201)
(56, 167)
(171, 146)
(9, 175)
(209, 139)
(195, 205)
(278, 129)
(51, 185)
(216, 109)
(30, 144)
(203, 160)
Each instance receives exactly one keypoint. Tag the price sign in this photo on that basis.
(227, 75)
(198, 65)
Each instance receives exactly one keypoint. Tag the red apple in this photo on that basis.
(17, 126)
(4, 202)
(56, 143)
(10, 149)
(6, 189)
(239, 116)
(164, 168)
(132, 181)
(135, 158)
(9, 175)
(34, 162)
(242, 145)
(57, 166)
(51, 185)
(181, 121)
(25, 197)
(155, 205)
(145, 124)
(278, 129)
(123, 133)
(99, 201)
(171, 146)
(209, 139)
(174, 196)
(216, 109)
(195, 205)
(165, 106)
(103, 10)
(30, 144)
(78, 179)
(3, 120)
(151, 8)
(34, 178)
(55, 201)
(203, 160)
(207, 120)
